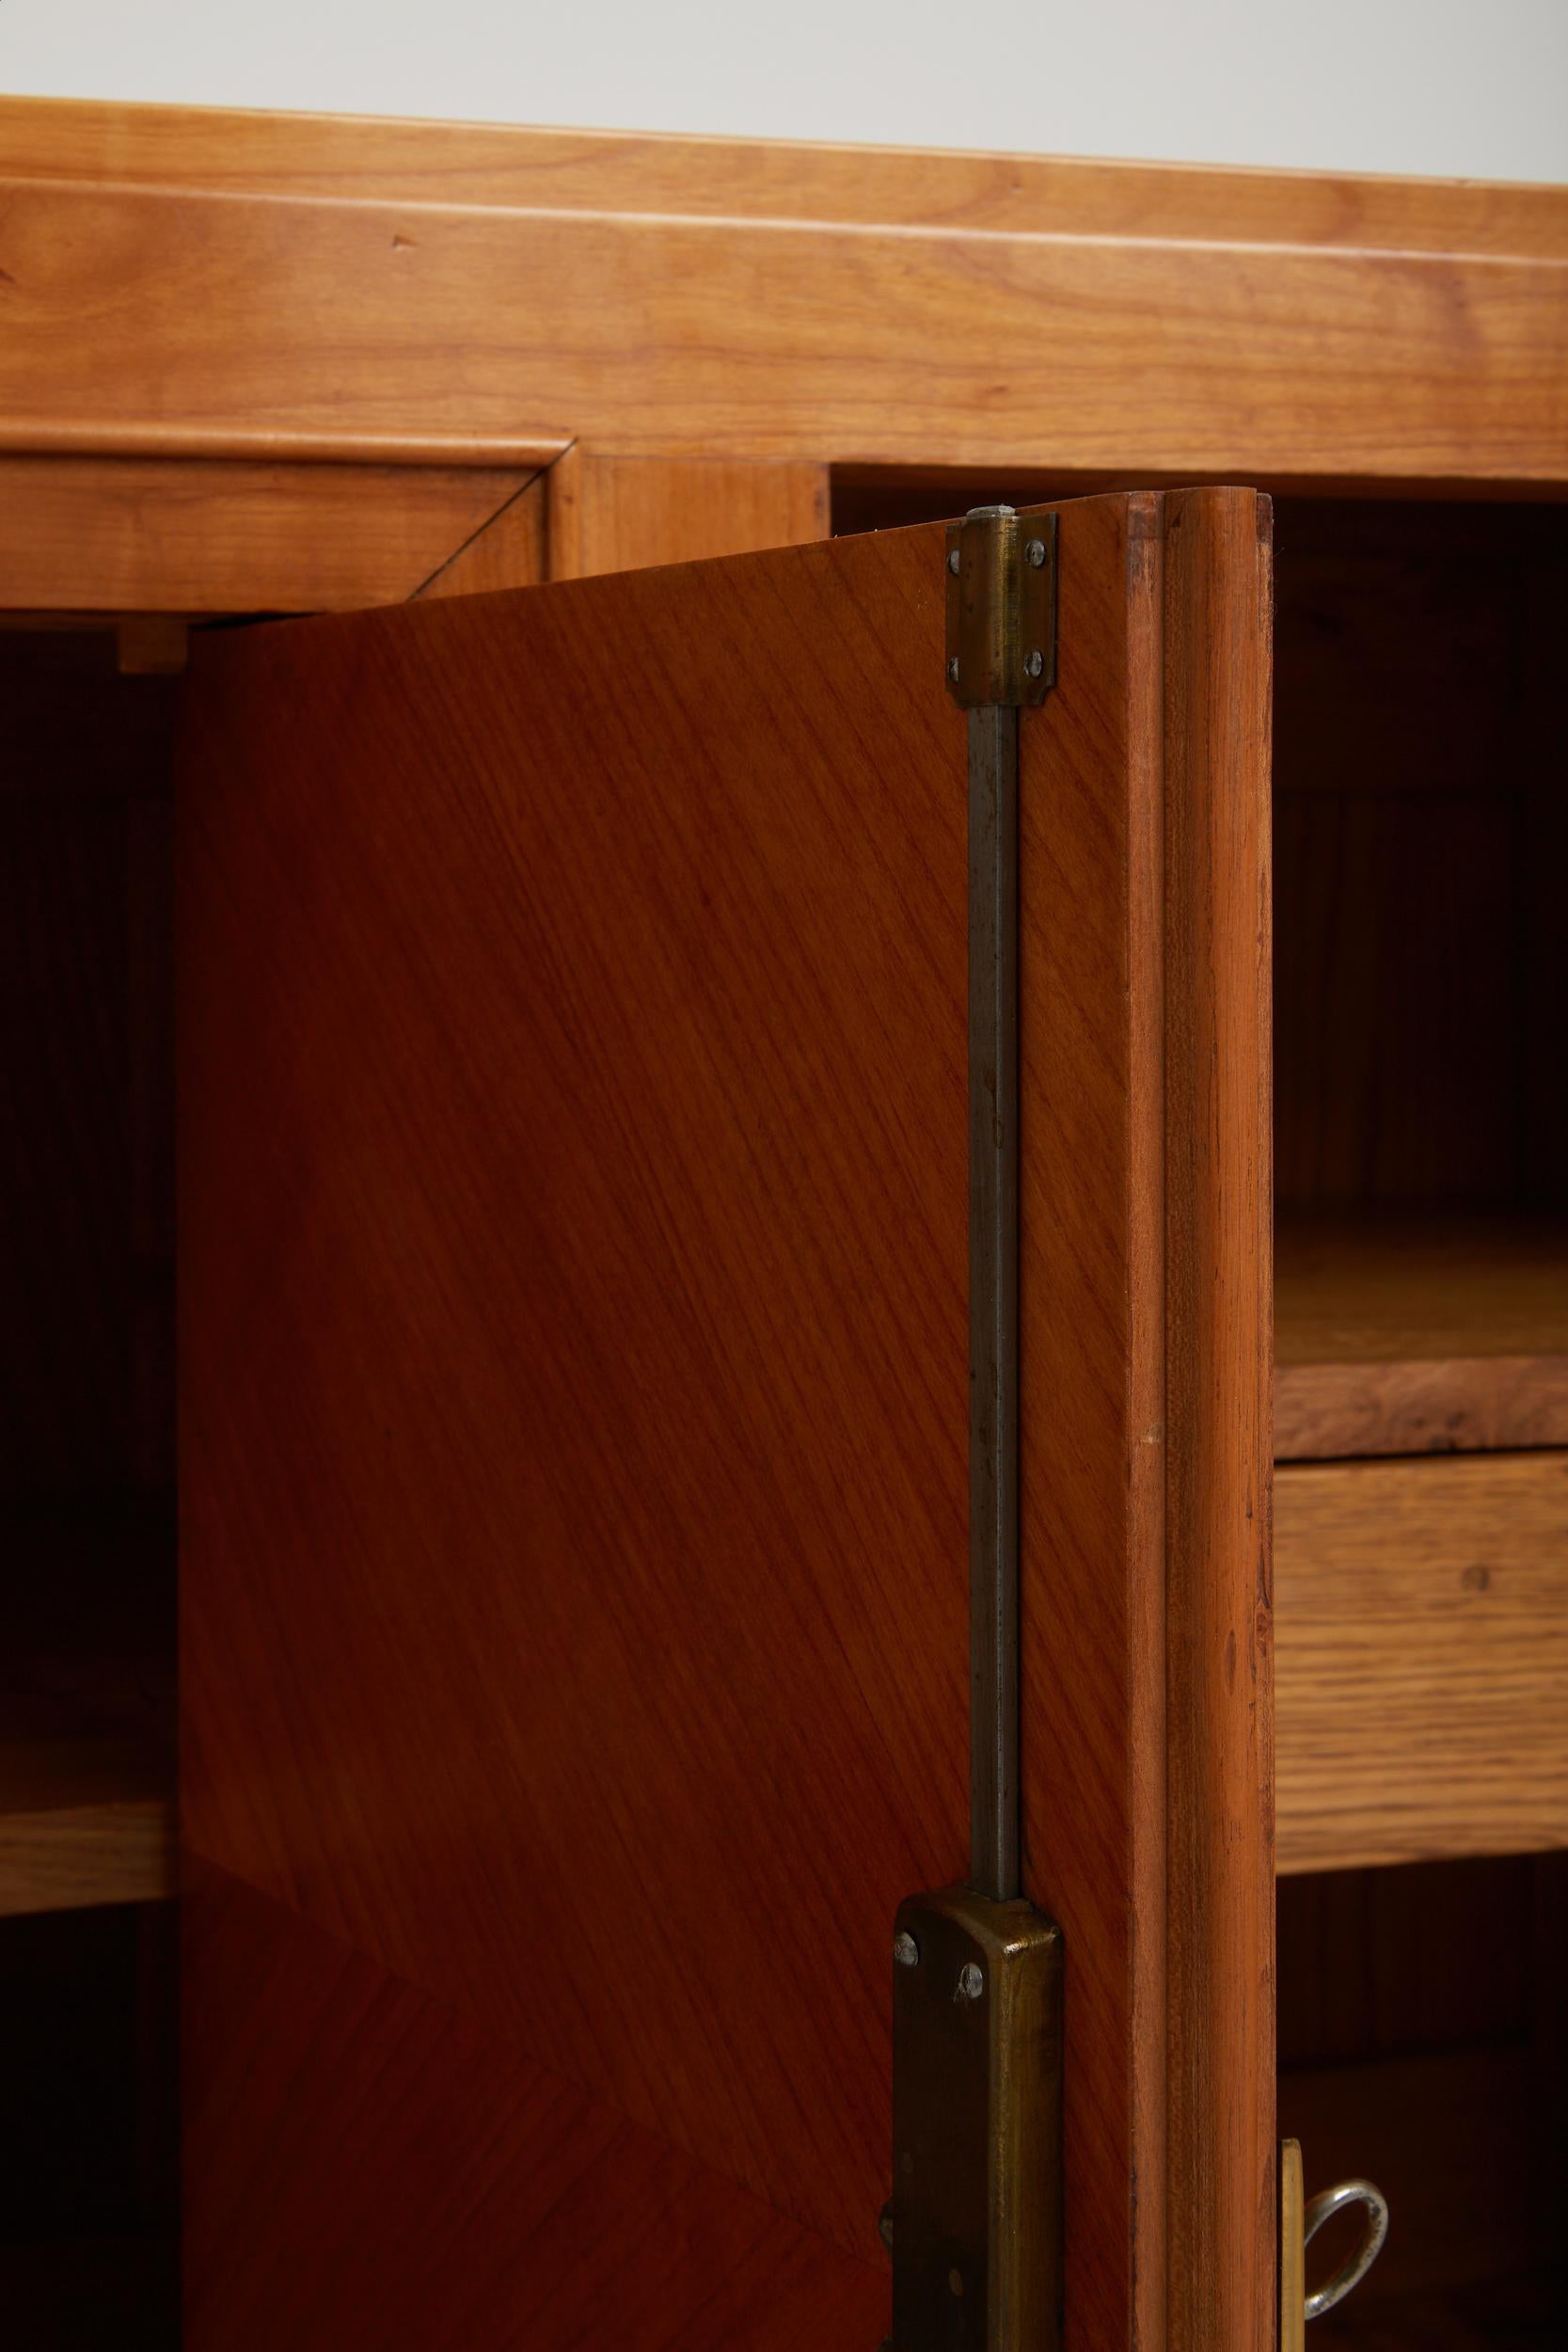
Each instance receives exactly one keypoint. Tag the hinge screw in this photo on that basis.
(955, 562)
(1034, 554)
(906, 1951)
(884, 2225)
(953, 669)
(1035, 663)
(972, 1982)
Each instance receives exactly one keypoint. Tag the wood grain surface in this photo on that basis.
(614, 513)
(1422, 1628)
(365, 2167)
(574, 1227)
(88, 1816)
(296, 156)
(1419, 1334)
(1219, 1735)
(508, 550)
(917, 310)
(126, 534)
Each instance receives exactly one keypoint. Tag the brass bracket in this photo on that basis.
(975, 2221)
(1001, 608)
(1293, 2250)
(975, 2218)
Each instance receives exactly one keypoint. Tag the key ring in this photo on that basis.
(1352, 2271)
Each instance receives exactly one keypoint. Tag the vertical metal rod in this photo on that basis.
(993, 1794)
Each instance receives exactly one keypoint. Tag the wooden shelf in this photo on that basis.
(1420, 1335)
(86, 1747)
(1420, 1657)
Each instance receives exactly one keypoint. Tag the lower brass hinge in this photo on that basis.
(975, 2221)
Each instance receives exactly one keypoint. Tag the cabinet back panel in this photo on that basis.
(1422, 760)
(87, 1058)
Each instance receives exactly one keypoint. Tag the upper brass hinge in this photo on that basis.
(1001, 608)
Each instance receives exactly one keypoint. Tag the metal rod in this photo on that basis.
(993, 1796)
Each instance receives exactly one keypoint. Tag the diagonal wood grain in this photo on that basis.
(577, 1278)
(364, 2169)
(572, 1171)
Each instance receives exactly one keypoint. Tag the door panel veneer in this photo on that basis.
(364, 2167)
(573, 1343)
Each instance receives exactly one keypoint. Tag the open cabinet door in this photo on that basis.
(574, 1644)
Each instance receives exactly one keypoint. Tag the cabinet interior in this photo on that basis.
(1421, 1162)
(87, 1956)
(1423, 2044)
(1420, 957)
(1421, 820)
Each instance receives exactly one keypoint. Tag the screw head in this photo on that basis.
(884, 2225)
(953, 670)
(1033, 553)
(906, 1951)
(1035, 663)
(972, 1982)
(955, 562)
(954, 2282)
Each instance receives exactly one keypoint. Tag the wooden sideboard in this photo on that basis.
(563, 960)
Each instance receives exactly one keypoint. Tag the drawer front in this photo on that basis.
(1421, 1659)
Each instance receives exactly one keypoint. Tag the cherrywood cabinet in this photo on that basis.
(546, 971)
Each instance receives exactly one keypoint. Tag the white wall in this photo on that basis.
(1474, 88)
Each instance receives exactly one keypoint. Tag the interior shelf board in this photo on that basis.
(1419, 1334)
(87, 1745)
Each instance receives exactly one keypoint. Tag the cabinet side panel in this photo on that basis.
(1220, 1354)
(1092, 1382)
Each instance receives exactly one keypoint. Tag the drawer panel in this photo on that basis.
(1421, 1659)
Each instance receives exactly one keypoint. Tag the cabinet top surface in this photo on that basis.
(183, 282)
(506, 166)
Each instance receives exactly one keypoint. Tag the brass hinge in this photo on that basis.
(1001, 608)
(975, 2221)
